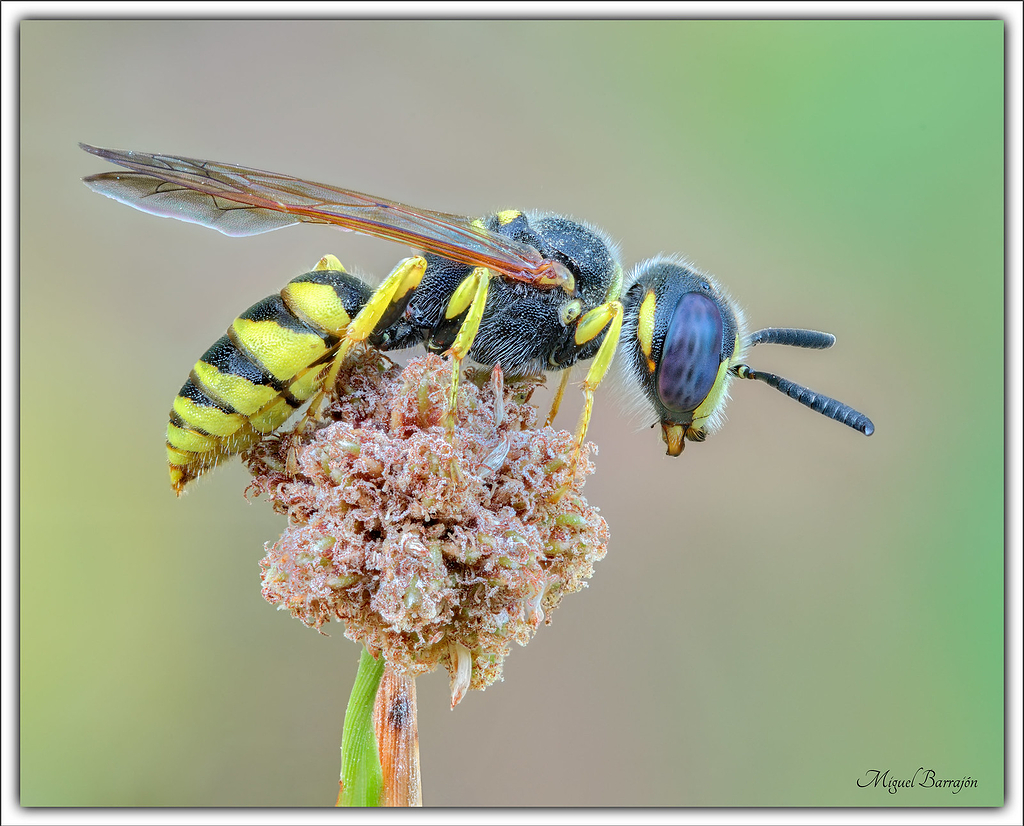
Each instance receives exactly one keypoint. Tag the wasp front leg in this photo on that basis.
(606, 318)
(470, 295)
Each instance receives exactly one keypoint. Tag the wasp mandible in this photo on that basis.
(533, 291)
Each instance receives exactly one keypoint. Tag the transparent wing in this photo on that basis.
(239, 201)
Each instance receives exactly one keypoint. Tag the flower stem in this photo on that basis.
(360, 783)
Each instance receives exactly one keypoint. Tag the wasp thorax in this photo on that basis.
(425, 540)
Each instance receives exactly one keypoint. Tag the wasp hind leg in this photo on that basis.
(391, 294)
(606, 318)
(559, 394)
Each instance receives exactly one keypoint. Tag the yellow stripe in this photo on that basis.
(309, 382)
(242, 440)
(209, 419)
(594, 323)
(196, 463)
(183, 468)
(191, 441)
(714, 397)
(319, 303)
(237, 391)
(179, 458)
(507, 216)
(272, 418)
(464, 294)
(178, 478)
(329, 262)
(645, 327)
(281, 351)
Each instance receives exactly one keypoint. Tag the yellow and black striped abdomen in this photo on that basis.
(274, 357)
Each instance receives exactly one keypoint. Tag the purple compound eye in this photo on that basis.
(691, 354)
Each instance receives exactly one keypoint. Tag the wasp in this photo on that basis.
(534, 292)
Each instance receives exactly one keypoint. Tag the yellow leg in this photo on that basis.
(608, 317)
(404, 278)
(557, 401)
(471, 294)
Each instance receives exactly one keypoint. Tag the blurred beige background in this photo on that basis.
(782, 609)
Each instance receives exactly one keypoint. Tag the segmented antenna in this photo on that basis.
(816, 401)
(808, 339)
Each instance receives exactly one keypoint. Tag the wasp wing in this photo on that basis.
(239, 201)
(168, 200)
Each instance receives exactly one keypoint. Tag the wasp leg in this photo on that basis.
(471, 294)
(557, 401)
(607, 316)
(403, 279)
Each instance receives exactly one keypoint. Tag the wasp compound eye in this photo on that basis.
(691, 355)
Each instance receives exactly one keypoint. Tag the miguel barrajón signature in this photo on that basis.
(923, 779)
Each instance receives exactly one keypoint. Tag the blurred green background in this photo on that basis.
(782, 609)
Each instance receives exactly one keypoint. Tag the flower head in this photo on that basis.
(434, 545)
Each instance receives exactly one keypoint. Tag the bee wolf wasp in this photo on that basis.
(534, 292)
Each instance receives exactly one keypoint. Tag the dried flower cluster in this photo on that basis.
(435, 545)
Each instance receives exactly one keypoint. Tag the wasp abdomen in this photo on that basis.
(273, 358)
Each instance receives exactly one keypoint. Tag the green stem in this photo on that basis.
(360, 763)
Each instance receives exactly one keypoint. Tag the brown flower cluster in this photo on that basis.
(434, 544)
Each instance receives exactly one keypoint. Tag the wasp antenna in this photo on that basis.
(807, 339)
(816, 401)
